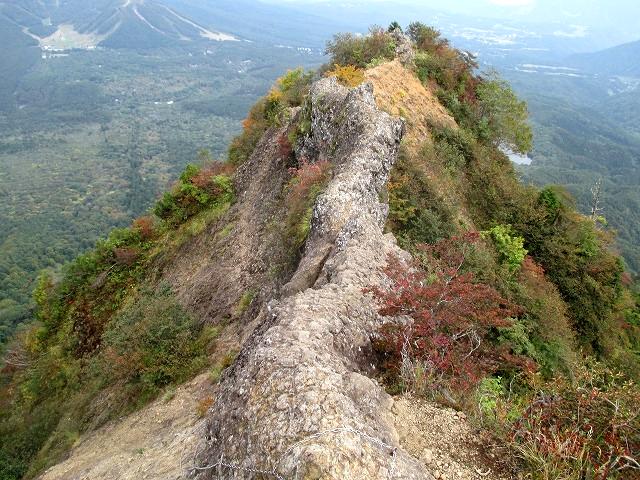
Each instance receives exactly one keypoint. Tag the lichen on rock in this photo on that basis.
(299, 401)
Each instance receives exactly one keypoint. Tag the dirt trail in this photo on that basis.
(443, 440)
(158, 442)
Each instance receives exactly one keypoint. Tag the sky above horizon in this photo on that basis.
(599, 14)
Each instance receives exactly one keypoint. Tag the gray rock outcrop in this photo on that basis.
(299, 402)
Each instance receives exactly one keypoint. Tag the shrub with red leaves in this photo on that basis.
(204, 178)
(126, 255)
(307, 182)
(307, 176)
(144, 226)
(450, 317)
(285, 149)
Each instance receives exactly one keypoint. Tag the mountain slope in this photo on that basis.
(78, 125)
(286, 24)
(308, 325)
(622, 60)
(109, 23)
(325, 266)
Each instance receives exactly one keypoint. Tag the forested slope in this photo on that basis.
(366, 237)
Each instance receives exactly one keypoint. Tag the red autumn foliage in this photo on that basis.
(126, 255)
(307, 177)
(202, 179)
(285, 149)
(627, 279)
(144, 226)
(530, 266)
(450, 312)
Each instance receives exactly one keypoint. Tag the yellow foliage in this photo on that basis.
(347, 75)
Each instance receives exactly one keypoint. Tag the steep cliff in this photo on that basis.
(303, 372)
(286, 287)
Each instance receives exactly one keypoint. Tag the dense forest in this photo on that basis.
(585, 134)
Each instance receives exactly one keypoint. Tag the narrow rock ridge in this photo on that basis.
(298, 403)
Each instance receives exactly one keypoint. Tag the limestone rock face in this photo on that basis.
(299, 402)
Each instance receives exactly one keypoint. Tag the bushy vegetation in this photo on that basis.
(361, 51)
(519, 325)
(348, 75)
(307, 182)
(198, 188)
(588, 428)
(289, 91)
(416, 213)
(105, 342)
(509, 247)
(60, 390)
(89, 141)
(446, 343)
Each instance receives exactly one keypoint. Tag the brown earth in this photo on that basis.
(444, 441)
(400, 93)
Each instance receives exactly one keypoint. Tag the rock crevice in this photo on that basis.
(298, 402)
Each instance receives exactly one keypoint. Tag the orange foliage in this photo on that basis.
(347, 75)
(248, 123)
(144, 226)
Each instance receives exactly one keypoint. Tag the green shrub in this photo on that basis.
(426, 39)
(289, 91)
(360, 51)
(510, 247)
(416, 214)
(151, 344)
(196, 190)
(294, 86)
(505, 115)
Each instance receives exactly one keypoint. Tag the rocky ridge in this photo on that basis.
(300, 401)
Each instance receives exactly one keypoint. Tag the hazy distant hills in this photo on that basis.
(158, 23)
(623, 60)
(112, 23)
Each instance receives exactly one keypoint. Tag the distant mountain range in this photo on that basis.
(623, 60)
(112, 23)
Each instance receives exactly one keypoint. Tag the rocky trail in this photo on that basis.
(301, 400)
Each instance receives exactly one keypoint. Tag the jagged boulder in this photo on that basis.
(405, 52)
(299, 401)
